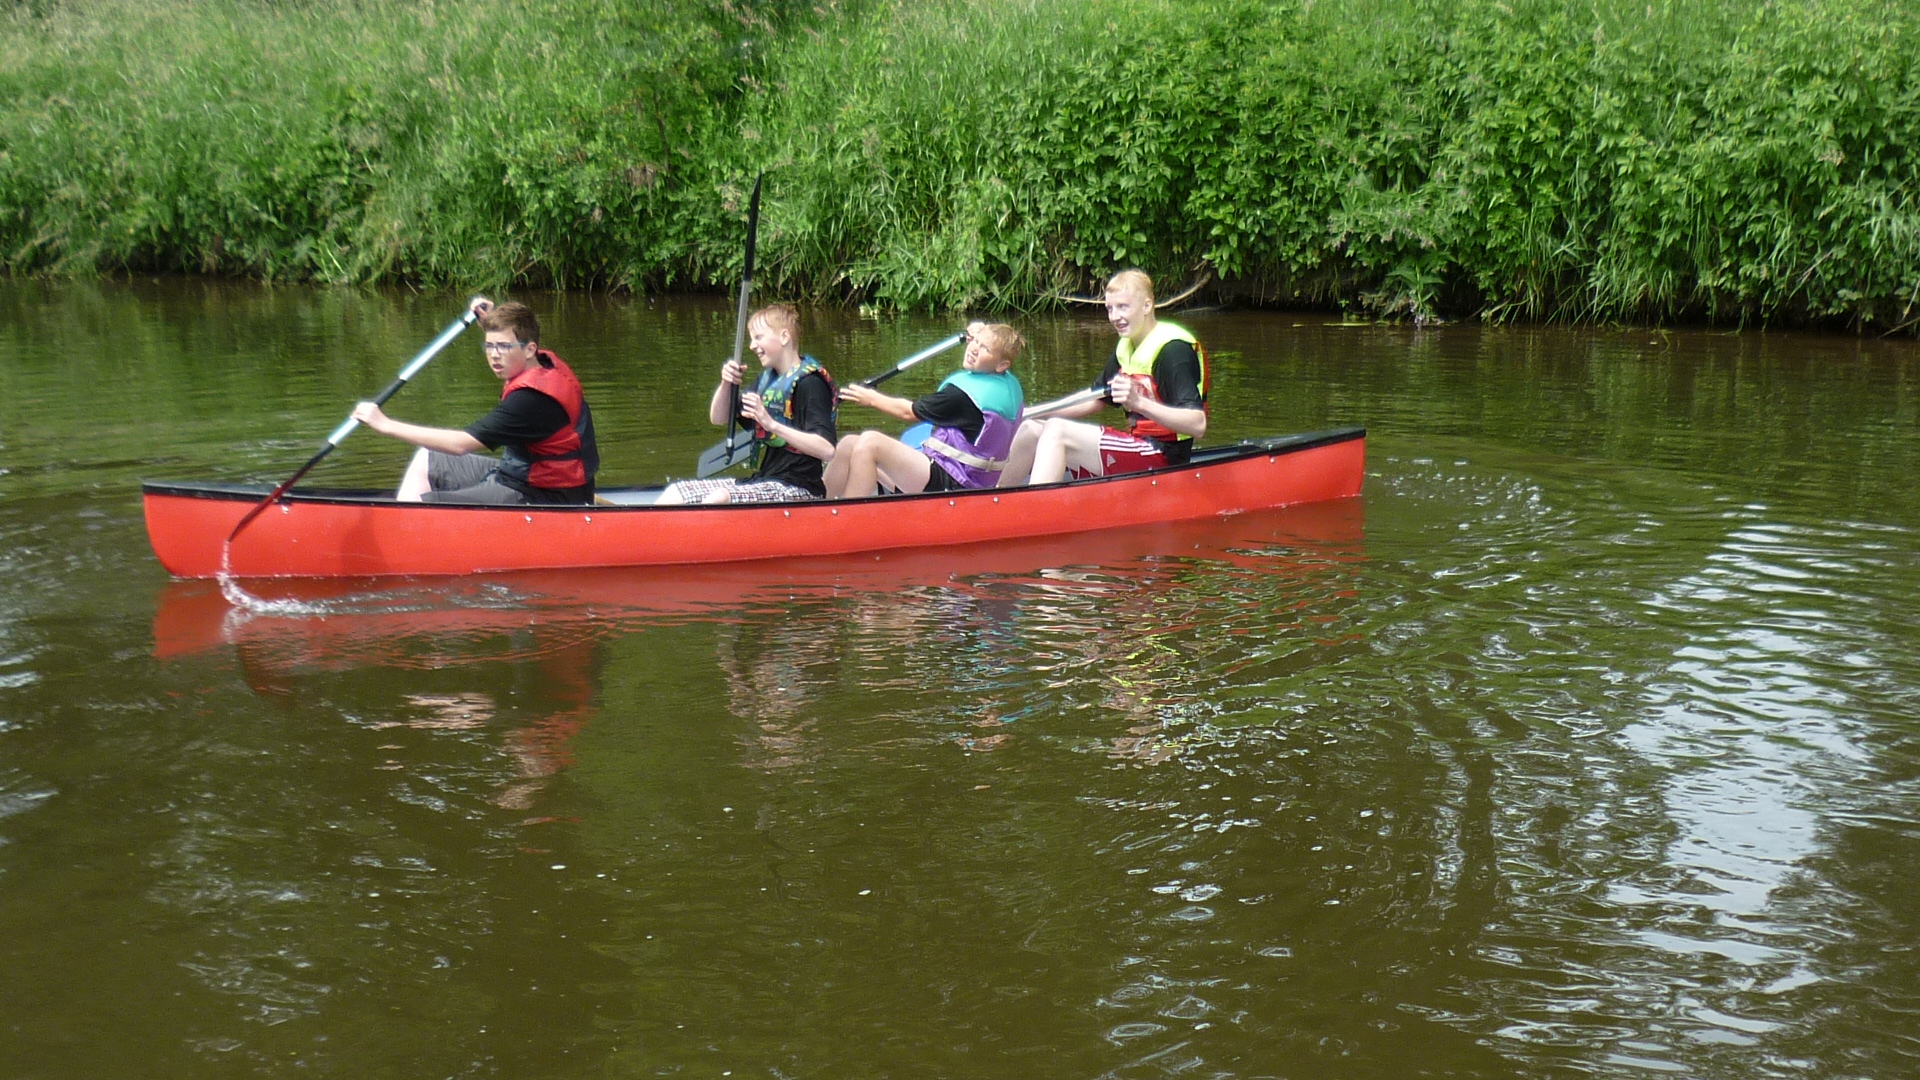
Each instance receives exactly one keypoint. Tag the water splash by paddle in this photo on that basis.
(382, 601)
(257, 605)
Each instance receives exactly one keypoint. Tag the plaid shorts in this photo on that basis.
(695, 492)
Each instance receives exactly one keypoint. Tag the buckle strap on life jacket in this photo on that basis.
(954, 453)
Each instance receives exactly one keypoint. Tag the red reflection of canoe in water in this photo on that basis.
(345, 622)
(453, 637)
(368, 534)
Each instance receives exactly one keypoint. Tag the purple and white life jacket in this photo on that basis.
(976, 463)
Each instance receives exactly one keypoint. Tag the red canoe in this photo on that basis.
(318, 533)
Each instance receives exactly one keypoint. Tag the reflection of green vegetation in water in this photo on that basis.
(1537, 158)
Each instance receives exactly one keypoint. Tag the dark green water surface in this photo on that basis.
(1585, 742)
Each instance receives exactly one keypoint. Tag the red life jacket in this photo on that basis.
(568, 458)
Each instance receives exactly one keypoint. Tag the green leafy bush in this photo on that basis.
(1733, 160)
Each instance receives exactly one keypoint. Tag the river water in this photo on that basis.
(1585, 742)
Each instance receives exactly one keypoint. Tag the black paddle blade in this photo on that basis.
(753, 226)
(725, 454)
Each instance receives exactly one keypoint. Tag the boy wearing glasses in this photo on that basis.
(542, 428)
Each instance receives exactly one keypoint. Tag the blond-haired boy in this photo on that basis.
(974, 415)
(792, 408)
(1157, 374)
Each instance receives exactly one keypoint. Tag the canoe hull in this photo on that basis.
(360, 535)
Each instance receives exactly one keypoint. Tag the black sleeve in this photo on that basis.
(1106, 376)
(524, 416)
(1176, 376)
(951, 407)
(813, 408)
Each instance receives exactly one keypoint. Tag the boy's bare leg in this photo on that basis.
(1065, 443)
(835, 477)
(414, 482)
(1020, 455)
(900, 465)
(874, 453)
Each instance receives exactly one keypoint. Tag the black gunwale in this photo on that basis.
(1203, 457)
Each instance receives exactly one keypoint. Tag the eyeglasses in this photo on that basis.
(502, 346)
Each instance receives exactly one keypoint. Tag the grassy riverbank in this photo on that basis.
(1733, 160)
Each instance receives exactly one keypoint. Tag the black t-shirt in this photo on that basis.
(812, 403)
(523, 418)
(950, 407)
(1176, 379)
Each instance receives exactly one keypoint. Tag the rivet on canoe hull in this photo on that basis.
(589, 519)
(529, 519)
(786, 513)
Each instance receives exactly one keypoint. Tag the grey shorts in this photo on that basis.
(693, 492)
(468, 478)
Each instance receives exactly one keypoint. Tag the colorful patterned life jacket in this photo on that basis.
(569, 457)
(1137, 364)
(977, 463)
(776, 392)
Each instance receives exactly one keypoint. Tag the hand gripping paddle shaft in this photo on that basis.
(723, 455)
(346, 428)
(726, 454)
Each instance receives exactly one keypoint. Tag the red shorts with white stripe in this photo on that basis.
(1121, 452)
